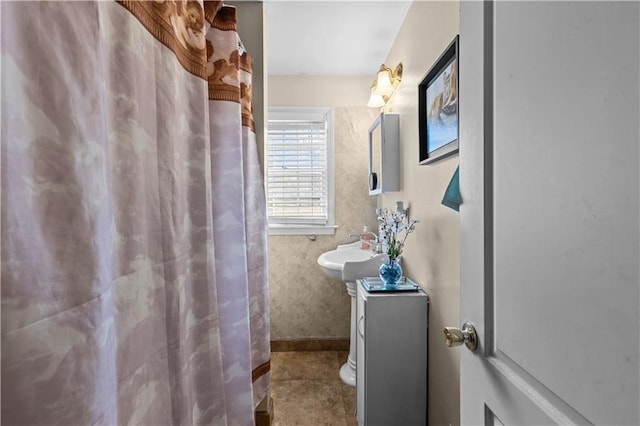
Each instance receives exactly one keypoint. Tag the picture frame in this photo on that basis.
(438, 107)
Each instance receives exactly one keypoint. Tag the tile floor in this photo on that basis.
(307, 391)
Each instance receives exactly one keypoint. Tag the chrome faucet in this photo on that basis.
(374, 244)
(377, 247)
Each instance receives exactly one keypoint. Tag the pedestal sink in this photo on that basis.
(348, 263)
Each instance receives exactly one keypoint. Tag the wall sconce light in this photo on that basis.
(384, 85)
(375, 100)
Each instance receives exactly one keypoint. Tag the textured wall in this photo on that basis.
(304, 303)
(432, 253)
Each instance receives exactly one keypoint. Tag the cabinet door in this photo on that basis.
(391, 377)
(375, 157)
(383, 154)
(360, 351)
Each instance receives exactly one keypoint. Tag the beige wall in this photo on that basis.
(431, 254)
(288, 90)
(303, 302)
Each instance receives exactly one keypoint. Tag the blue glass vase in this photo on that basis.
(390, 272)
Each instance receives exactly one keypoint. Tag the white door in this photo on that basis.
(549, 160)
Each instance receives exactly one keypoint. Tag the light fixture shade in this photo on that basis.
(375, 101)
(384, 87)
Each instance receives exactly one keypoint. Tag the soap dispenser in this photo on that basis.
(365, 237)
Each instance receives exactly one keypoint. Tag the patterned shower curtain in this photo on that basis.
(134, 285)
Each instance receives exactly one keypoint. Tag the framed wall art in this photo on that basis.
(438, 107)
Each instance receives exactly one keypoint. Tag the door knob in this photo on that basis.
(455, 337)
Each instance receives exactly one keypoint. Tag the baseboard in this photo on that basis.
(302, 345)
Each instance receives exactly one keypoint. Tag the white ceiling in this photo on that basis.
(330, 37)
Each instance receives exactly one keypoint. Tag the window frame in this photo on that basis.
(292, 228)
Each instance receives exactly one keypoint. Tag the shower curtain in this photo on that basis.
(134, 285)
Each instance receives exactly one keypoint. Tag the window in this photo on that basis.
(300, 171)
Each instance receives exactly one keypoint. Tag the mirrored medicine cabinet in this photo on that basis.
(384, 173)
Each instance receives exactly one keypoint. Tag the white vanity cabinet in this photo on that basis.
(384, 170)
(391, 351)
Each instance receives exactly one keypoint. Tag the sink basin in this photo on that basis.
(349, 262)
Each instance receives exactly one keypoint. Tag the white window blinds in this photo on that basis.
(298, 160)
